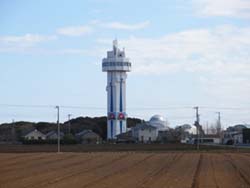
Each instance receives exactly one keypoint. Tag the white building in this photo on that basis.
(191, 129)
(210, 139)
(116, 65)
(35, 135)
(145, 133)
(188, 133)
(148, 131)
(234, 134)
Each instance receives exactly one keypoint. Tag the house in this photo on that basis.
(236, 134)
(237, 138)
(246, 136)
(144, 133)
(35, 135)
(88, 137)
(147, 134)
(52, 135)
(211, 138)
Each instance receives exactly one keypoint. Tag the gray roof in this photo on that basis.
(34, 130)
(145, 125)
(84, 132)
(53, 132)
(247, 126)
(238, 127)
(27, 131)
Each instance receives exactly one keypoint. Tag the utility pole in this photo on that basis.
(197, 124)
(207, 128)
(69, 115)
(13, 131)
(218, 123)
(58, 130)
(218, 128)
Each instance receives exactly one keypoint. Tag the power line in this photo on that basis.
(160, 108)
(27, 106)
(83, 107)
(131, 108)
(50, 106)
(225, 108)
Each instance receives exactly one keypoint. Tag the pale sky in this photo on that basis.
(183, 53)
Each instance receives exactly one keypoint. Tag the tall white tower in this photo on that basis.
(116, 65)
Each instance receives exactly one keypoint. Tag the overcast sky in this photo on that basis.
(183, 53)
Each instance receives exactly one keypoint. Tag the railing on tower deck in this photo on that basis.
(106, 64)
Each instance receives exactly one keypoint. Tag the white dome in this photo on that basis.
(159, 122)
(157, 118)
(191, 129)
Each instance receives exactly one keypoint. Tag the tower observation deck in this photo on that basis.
(116, 65)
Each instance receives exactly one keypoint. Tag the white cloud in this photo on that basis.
(221, 53)
(227, 8)
(124, 26)
(25, 40)
(23, 43)
(75, 30)
(89, 28)
(223, 49)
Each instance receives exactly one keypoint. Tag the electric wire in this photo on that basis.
(130, 108)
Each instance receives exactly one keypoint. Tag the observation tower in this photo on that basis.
(116, 65)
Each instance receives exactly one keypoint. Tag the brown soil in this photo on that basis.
(125, 170)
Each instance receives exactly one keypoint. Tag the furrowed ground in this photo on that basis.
(126, 169)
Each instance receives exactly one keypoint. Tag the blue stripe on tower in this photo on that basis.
(111, 128)
(120, 127)
(121, 95)
(111, 95)
(111, 105)
(121, 103)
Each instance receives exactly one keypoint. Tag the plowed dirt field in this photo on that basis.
(125, 169)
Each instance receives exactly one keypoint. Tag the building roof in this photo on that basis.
(53, 132)
(144, 126)
(84, 132)
(34, 130)
(191, 129)
(158, 118)
(238, 127)
(159, 122)
(247, 126)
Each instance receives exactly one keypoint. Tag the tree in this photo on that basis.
(69, 139)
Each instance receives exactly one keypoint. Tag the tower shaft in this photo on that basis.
(116, 97)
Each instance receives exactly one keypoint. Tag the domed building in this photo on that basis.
(148, 131)
(191, 129)
(159, 122)
(187, 133)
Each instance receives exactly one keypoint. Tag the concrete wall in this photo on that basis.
(147, 135)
